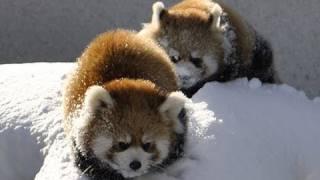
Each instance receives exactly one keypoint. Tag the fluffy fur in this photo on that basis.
(211, 41)
(122, 111)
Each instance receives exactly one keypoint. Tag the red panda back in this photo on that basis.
(115, 55)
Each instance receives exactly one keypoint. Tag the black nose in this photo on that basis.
(135, 165)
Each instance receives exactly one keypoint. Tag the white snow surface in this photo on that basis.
(238, 130)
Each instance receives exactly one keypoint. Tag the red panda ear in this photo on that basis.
(171, 108)
(158, 11)
(95, 97)
(215, 17)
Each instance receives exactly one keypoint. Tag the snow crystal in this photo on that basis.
(255, 83)
(188, 74)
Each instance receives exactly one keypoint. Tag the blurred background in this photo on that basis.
(57, 31)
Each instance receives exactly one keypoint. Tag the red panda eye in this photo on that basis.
(146, 146)
(123, 146)
(197, 62)
(175, 59)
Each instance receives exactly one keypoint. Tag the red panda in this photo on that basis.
(208, 41)
(122, 110)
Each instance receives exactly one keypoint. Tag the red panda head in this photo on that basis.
(130, 125)
(190, 32)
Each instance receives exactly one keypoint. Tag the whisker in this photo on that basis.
(158, 167)
(86, 170)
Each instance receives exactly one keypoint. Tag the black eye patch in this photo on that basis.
(197, 62)
(175, 59)
(146, 147)
(122, 146)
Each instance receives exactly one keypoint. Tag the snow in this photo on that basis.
(237, 130)
(188, 74)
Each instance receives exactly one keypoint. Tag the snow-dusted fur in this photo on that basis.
(210, 38)
(172, 107)
(123, 118)
(95, 95)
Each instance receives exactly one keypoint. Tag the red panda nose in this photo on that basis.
(135, 165)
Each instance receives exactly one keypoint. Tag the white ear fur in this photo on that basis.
(150, 29)
(95, 96)
(157, 8)
(171, 108)
(216, 12)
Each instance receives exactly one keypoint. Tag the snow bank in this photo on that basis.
(243, 131)
(30, 115)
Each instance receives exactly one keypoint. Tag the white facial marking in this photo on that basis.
(210, 64)
(173, 52)
(146, 138)
(164, 42)
(188, 73)
(195, 54)
(123, 160)
(163, 148)
(101, 145)
(126, 139)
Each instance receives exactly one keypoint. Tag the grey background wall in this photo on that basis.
(56, 30)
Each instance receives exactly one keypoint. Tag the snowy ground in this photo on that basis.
(245, 132)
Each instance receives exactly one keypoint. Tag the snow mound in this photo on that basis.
(243, 130)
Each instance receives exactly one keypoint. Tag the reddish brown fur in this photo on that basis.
(245, 37)
(135, 113)
(197, 5)
(138, 110)
(194, 15)
(137, 73)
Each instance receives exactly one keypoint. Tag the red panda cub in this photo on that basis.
(208, 41)
(122, 111)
